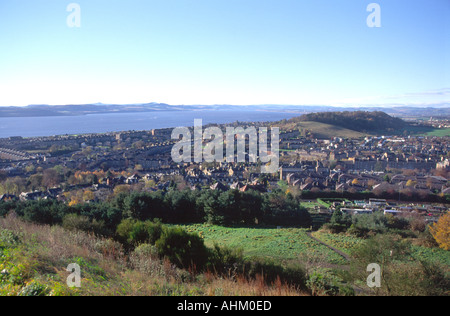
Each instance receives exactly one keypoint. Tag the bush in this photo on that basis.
(418, 224)
(34, 289)
(394, 222)
(358, 231)
(182, 249)
(133, 232)
(9, 238)
(321, 285)
(145, 232)
(83, 223)
(225, 260)
(146, 251)
(339, 222)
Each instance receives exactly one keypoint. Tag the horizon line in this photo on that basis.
(394, 105)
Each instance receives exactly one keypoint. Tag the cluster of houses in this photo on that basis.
(52, 193)
(313, 175)
(431, 212)
(370, 153)
(306, 162)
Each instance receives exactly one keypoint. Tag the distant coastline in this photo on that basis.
(438, 110)
(99, 123)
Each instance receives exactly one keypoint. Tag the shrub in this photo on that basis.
(418, 224)
(133, 232)
(182, 249)
(9, 238)
(321, 285)
(225, 260)
(145, 232)
(34, 289)
(83, 223)
(339, 222)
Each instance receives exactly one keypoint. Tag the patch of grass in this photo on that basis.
(439, 132)
(325, 131)
(341, 242)
(283, 244)
(431, 255)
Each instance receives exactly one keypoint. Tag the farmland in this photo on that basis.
(441, 132)
(280, 244)
(341, 242)
(291, 244)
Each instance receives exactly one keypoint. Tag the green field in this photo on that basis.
(279, 244)
(347, 244)
(287, 244)
(341, 242)
(441, 132)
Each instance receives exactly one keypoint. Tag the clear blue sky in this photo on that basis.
(225, 52)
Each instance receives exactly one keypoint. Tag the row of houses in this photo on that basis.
(52, 193)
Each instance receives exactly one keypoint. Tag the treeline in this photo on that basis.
(361, 121)
(232, 207)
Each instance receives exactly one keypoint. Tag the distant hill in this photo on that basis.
(327, 131)
(360, 121)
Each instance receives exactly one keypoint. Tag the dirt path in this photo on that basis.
(347, 257)
(357, 289)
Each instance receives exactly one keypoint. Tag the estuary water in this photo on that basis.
(115, 122)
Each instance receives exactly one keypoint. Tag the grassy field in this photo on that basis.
(439, 132)
(325, 131)
(347, 244)
(279, 244)
(339, 241)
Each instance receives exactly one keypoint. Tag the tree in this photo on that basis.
(339, 221)
(441, 231)
(88, 195)
(411, 183)
(50, 178)
(123, 188)
(283, 185)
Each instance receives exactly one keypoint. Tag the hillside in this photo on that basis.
(360, 121)
(327, 131)
(33, 261)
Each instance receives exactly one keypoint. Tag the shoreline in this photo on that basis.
(133, 118)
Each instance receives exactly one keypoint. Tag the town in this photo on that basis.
(76, 169)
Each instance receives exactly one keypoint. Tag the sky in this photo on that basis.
(240, 52)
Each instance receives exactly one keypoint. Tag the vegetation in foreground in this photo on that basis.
(123, 249)
(34, 257)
